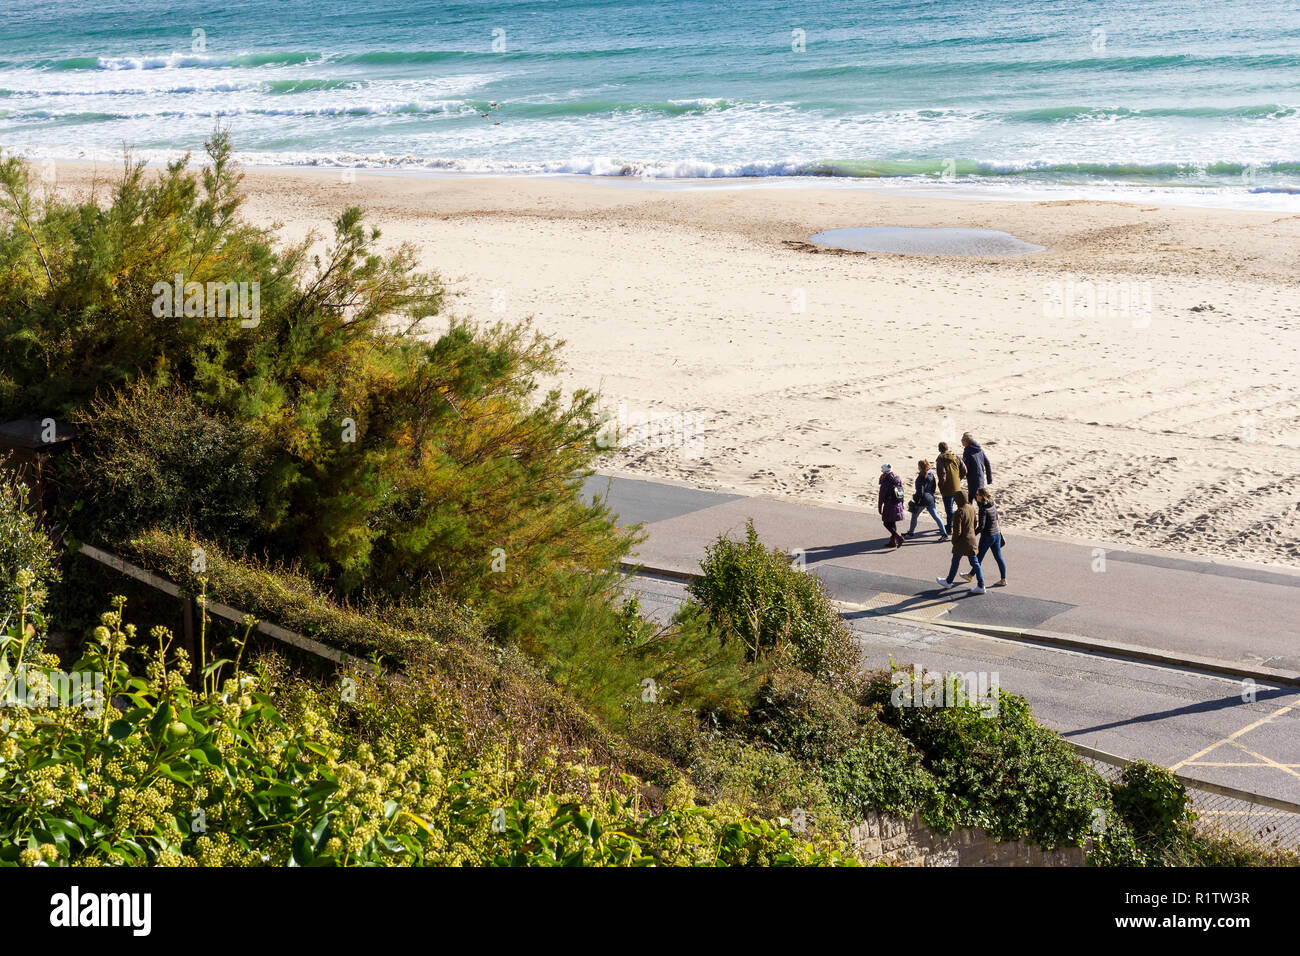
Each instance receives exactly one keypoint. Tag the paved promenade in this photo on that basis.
(1234, 614)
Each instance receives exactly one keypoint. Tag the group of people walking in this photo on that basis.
(972, 515)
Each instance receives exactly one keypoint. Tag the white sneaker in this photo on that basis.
(945, 582)
(977, 590)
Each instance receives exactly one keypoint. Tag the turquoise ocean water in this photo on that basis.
(1194, 95)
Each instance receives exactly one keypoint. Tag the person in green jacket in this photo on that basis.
(951, 470)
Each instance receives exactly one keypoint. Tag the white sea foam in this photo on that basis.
(171, 61)
(181, 61)
(412, 113)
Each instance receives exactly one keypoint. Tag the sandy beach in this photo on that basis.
(1165, 417)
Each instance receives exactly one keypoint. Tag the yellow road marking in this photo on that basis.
(1227, 740)
(1267, 760)
(912, 604)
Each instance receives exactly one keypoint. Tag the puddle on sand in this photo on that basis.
(909, 241)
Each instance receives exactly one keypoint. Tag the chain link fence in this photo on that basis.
(1264, 820)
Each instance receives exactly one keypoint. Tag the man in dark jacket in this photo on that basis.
(964, 544)
(978, 470)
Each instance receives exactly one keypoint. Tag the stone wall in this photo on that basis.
(899, 842)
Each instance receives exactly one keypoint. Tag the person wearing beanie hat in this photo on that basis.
(889, 503)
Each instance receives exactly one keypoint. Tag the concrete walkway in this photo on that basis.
(1237, 614)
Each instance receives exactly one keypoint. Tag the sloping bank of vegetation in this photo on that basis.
(335, 466)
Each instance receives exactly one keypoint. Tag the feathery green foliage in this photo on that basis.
(753, 596)
(386, 459)
(153, 456)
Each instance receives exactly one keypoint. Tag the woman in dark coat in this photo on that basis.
(990, 533)
(964, 543)
(890, 504)
(924, 487)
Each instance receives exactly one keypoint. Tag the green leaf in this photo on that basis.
(303, 854)
(183, 774)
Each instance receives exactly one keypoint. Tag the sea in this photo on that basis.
(1193, 99)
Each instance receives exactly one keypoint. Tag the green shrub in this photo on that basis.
(1210, 846)
(729, 769)
(768, 783)
(1154, 804)
(293, 600)
(775, 612)
(1002, 772)
(497, 684)
(76, 301)
(264, 770)
(394, 462)
(24, 546)
(597, 655)
(151, 457)
(864, 764)
(620, 664)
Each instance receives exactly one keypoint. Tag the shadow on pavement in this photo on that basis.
(916, 602)
(832, 551)
(1205, 707)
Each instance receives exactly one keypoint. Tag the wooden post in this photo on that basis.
(27, 448)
